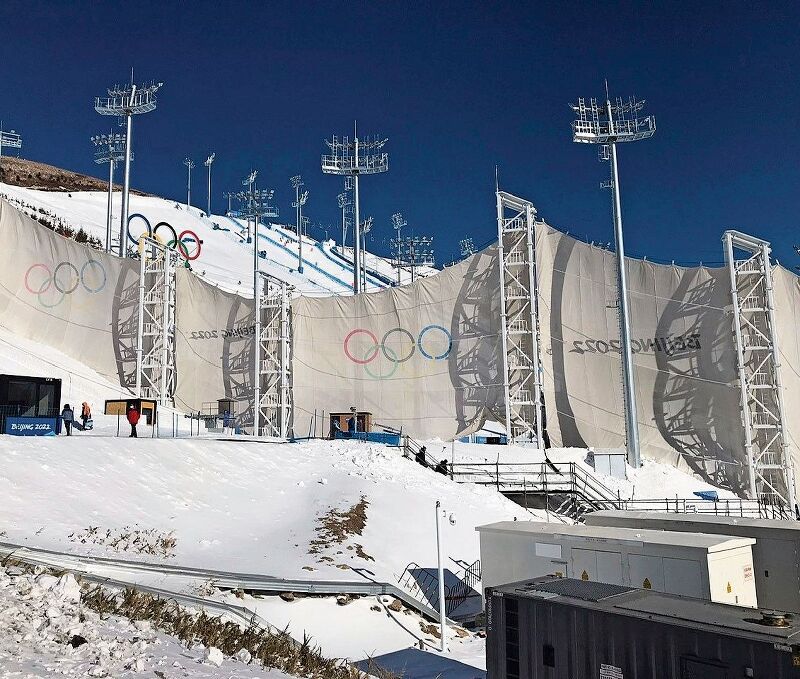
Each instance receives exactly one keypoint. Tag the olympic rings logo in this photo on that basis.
(51, 287)
(376, 348)
(182, 242)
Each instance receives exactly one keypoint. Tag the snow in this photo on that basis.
(40, 615)
(225, 260)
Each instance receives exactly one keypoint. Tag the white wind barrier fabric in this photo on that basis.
(422, 358)
(786, 294)
(68, 296)
(684, 357)
(214, 347)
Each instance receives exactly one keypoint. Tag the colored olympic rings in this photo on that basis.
(176, 241)
(65, 279)
(375, 348)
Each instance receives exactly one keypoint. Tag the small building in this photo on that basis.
(553, 628)
(712, 567)
(29, 405)
(776, 552)
(146, 407)
(340, 423)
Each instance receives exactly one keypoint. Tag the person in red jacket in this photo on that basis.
(133, 419)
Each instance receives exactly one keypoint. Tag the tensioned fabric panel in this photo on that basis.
(684, 357)
(68, 296)
(422, 358)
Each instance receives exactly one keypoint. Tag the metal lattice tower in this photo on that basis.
(608, 124)
(300, 200)
(126, 102)
(111, 150)
(353, 159)
(522, 364)
(155, 348)
(274, 405)
(770, 470)
(257, 204)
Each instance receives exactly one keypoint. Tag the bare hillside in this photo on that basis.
(33, 175)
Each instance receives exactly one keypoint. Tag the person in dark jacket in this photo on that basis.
(420, 456)
(133, 419)
(441, 468)
(68, 416)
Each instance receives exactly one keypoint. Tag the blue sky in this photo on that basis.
(456, 87)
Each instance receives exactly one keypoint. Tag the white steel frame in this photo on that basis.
(522, 364)
(155, 342)
(274, 370)
(770, 470)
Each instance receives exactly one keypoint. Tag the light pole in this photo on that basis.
(111, 150)
(440, 567)
(189, 167)
(127, 101)
(300, 200)
(609, 124)
(345, 205)
(208, 162)
(353, 159)
(398, 223)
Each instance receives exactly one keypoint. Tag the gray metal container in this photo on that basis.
(558, 628)
(776, 554)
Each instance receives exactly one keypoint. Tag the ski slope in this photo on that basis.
(226, 259)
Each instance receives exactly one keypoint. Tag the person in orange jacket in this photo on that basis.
(133, 419)
(86, 414)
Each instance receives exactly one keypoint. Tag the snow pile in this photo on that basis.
(45, 630)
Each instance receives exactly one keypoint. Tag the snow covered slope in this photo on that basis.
(226, 259)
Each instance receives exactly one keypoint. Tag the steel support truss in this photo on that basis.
(274, 368)
(155, 343)
(522, 365)
(770, 470)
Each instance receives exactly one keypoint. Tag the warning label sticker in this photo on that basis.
(610, 672)
(748, 573)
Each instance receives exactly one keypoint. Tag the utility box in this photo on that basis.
(611, 462)
(552, 628)
(712, 567)
(776, 554)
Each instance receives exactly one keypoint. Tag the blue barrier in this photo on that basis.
(385, 437)
(31, 426)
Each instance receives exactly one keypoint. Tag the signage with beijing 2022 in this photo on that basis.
(610, 672)
(30, 426)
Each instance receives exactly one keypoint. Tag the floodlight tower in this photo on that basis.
(229, 195)
(111, 150)
(189, 167)
(608, 124)
(352, 159)
(346, 206)
(366, 227)
(257, 204)
(299, 201)
(467, 247)
(127, 101)
(208, 162)
(398, 223)
(10, 139)
(417, 251)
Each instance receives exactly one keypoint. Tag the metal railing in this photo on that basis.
(757, 509)
(425, 581)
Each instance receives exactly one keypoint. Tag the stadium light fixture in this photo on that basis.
(398, 223)
(111, 150)
(353, 158)
(189, 167)
(10, 139)
(467, 247)
(208, 163)
(299, 201)
(610, 124)
(125, 102)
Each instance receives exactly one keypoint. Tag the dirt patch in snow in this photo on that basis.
(336, 526)
(130, 539)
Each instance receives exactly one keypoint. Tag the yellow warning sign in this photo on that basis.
(584, 575)
(647, 584)
(729, 588)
